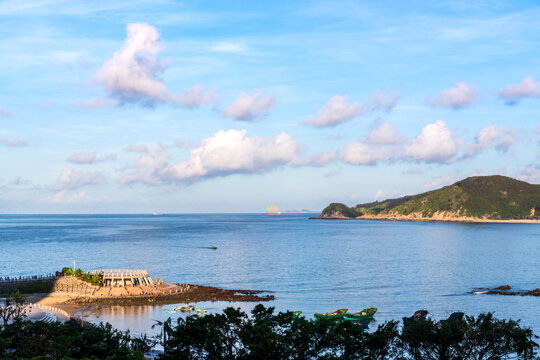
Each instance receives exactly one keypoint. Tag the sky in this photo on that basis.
(214, 106)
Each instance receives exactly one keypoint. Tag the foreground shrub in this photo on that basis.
(27, 340)
(265, 335)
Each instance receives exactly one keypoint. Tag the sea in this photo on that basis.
(308, 265)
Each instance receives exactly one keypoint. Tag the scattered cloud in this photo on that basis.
(379, 195)
(228, 47)
(503, 139)
(337, 110)
(442, 180)
(82, 158)
(131, 76)
(357, 153)
(526, 88)
(436, 144)
(96, 103)
(381, 101)
(18, 181)
(530, 174)
(225, 153)
(4, 113)
(13, 142)
(71, 179)
(317, 159)
(461, 96)
(384, 134)
(137, 148)
(248, 108)
(80, 197)
(89, 157)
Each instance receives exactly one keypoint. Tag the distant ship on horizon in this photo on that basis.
(158, 214)
(272, 210)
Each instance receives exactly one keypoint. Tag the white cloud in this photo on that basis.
(136, 148)
(436, 144)
(317, 159)
(513, 93)
(384, 134)
(131, 75)
(77, 198)
(228, 47)
(247, 107)
(95, 103)
(225, 153)
(358, 153)
(13, 142)
(71, 179)
(530, 174)
(503, 139)
(381, 101)
(379, 195)
(89, 157)
(442, 180)
(336, 111)
(4, 113)
(461, 96)
(83, 157)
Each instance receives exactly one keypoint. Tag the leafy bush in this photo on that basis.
(265, 335)
(66, 271)
(26, 340)
(78, 272)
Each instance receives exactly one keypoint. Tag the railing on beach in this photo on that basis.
(14, 279)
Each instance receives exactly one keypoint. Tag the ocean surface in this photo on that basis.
(309, 265)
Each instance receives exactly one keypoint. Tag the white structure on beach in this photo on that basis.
(123, 277)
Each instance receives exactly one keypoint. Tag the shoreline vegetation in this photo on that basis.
(233, 334)
(479, 199)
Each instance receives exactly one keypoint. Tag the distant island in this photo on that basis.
(475, 199)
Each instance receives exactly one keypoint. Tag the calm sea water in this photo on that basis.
(309, 265)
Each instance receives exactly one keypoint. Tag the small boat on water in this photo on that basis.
(272, 210)
(418, 315)
(342, 314)
(296, 314)
(185, 308)
(201, 311)
(158, 214)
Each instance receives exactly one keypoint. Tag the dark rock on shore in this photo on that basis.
(196, 293)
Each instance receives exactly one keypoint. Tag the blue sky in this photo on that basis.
(212, 106)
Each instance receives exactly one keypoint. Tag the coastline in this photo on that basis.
(72, 302)
(431, 219)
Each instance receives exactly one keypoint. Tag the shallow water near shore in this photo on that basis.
(309, 265)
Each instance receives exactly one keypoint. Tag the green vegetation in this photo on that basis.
(340, 210)
(265, 335)
(14, 307)
(93, 279)
(41, 340)
(491, 197)
(36, 287)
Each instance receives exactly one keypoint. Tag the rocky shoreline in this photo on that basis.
(507, 290)
(196, 293)
(425, 219)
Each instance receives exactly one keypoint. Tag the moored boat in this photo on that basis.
(342, 314)
(185, 308)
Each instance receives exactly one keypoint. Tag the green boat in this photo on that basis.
(342, 314)
(296, 314)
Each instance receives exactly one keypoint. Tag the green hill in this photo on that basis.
(480, 197)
